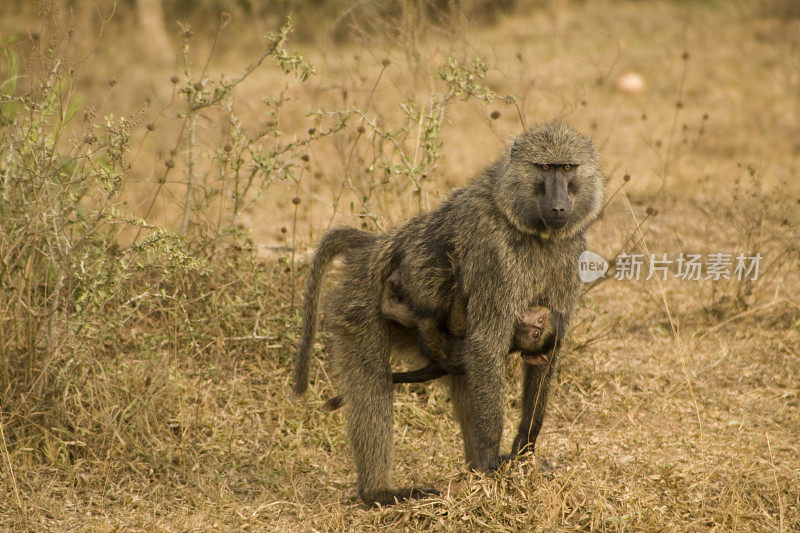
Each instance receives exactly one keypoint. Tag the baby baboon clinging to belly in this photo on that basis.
(441, 339)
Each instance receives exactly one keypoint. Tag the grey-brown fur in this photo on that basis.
(396, 307)
(537, 332)
(336, 242)
(494, 241)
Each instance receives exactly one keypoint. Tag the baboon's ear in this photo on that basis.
(513, 149)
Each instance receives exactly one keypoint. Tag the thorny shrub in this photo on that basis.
(96, 327)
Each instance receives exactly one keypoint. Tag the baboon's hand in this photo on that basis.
(507, 458)
(534, 358)
(391, 497)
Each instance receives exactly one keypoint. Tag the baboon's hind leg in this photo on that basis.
(366, 388)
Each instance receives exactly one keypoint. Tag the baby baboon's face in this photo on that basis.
(531, 329)
(534, 331)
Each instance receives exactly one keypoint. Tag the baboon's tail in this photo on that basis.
(333, 243)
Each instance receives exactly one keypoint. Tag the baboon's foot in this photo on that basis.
(333, 403)
(391, 497)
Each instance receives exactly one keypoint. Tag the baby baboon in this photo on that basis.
(430, 328)
(536, 332)
(507, 241)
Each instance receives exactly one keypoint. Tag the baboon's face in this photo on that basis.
(552, 183)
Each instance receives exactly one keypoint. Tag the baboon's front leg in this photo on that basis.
(485, 391)
(535, 390)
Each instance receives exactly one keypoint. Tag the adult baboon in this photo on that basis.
(507, 241)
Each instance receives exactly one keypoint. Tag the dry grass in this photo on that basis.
(678, 408)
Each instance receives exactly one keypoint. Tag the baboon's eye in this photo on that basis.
(545, 167)
(540, 320)
(568, 167)
(535, 334)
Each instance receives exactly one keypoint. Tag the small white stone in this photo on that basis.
(631, 83)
